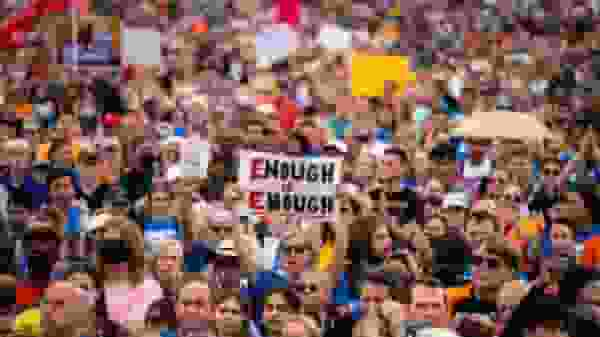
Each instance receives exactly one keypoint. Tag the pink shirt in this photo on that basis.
(126, 304)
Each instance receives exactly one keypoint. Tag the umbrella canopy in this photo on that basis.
(503, 125)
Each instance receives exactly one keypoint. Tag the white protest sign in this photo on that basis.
(195, 155)
(298, 185)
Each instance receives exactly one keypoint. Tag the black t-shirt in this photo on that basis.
(405, 204)
(473, 305)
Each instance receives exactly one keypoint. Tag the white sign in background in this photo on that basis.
(291, 184)
(195, 156)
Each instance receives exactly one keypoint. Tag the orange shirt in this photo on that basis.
(456, 295)
(591, 252)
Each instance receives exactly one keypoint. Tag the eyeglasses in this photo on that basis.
(491, 262)
(222, 229)
(551, 172)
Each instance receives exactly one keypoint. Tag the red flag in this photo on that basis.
(288, 11)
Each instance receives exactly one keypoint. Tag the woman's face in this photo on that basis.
(561, 233)
(161, 202)
(381, 240)
(295, 257)
(82, 280)
(169, 261)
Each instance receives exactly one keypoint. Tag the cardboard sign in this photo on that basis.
(195, 156)
(297, 185)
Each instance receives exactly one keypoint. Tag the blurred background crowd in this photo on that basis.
(467, 201)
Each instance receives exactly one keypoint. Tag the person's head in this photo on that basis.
(43, 240)
(255, 132)
(228, 313)
(61, 151)
(436, 227)
(16, 150)
(429, 303)
(509, 297)
(519, 164)
(375, 290)
(395, 164)
(232, 194)
(169, 262)
(562, 232)
(8, 300)
(494, 263)
(296, 252)
(120, 243)
(194, 302)
(60, 182)
(380, 241)
(311, 289)
(159, 201)
(454, 212)
(365, 166)
(64, 307)
(482, 223)
(87, 161)
(279, 304)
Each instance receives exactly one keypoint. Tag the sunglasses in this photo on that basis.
(505, 308)
(221, 229)
(295, 250)
(491, 262)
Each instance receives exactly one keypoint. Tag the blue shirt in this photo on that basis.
(340, 126)
(100, 51)
(384, 135)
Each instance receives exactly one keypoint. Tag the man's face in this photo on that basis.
(296, 255)
(489, 270)
(161, 202)
(254, 134)
(223, 231)
(455, 215)
(479, 227)
(18, 153)
(434, 229)
(194, 304)
(374, 293)
(229, 316)
(429, 305)
(168, 262)
(61, 299)
(62, 185)
(275, 309)
(392, 168)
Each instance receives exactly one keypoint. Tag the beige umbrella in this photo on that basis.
(503, 125)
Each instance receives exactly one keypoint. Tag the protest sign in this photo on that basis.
(195, 155)
(298, 185)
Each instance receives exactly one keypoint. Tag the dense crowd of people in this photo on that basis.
(465, 199)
